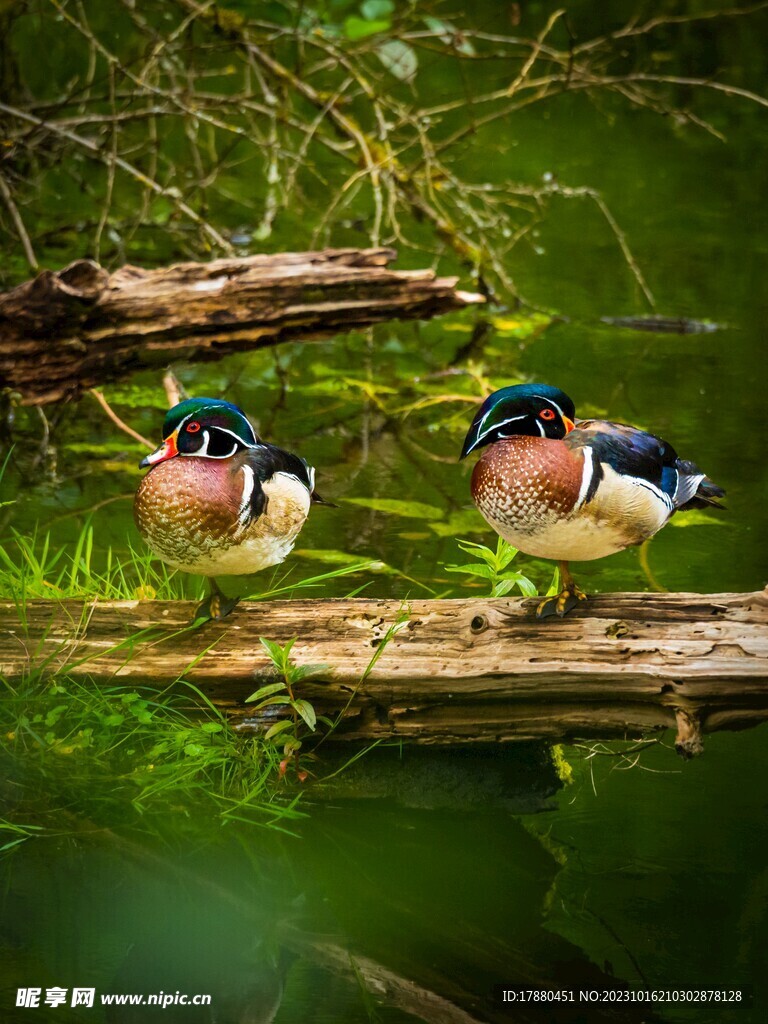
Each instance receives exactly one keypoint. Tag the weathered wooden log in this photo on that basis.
(451, 671)
(81, 327)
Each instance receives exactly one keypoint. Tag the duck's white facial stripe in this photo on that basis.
(204, 450)
(249, 482)
(238, 443)
(552, 403)
(496, 426)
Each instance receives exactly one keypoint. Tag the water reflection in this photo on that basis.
(455, 875)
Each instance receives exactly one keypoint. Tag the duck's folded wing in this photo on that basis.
(261, 464)
(646, 459)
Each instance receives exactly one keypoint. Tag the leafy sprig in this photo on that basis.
(492, 566)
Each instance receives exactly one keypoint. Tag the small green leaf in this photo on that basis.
(466, 520)
(509, 581)
(278, 655)
(55, 714)
(305, 671)
(527, 587)
(358, 28)
(502, 588)
(395, 507)
(277, 728)
(265, 691)
(307, 712)
(697, 517)
(554, 587)
(398, 58)
(110, 720)
(480, 550)
(211, 727)
(194, 750)
(272, 701)
(473, 569)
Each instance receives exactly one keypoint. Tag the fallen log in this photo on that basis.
(68, 331)
(445, 671)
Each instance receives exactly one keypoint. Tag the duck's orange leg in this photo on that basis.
(216, 606)
(568, 598)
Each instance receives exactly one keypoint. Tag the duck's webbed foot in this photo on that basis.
(216, 606)
(562, 603)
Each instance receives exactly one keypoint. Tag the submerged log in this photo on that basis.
(446, 671)
(81, 327)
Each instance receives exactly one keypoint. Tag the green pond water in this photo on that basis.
(458, 871)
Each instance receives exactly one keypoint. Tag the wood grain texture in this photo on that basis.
(454, 671)
(81, 327)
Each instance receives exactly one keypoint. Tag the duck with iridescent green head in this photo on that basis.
(574, 490)
(219, 501)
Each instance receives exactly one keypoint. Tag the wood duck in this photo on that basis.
(219, 501)
(574, 491)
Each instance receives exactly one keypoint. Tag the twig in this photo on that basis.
(124, 165)
(29, 252)
(535, 51)
(117, 421)
(173, 388)
(111, 168)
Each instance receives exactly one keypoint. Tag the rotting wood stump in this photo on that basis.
(81, 327)
(451, 671)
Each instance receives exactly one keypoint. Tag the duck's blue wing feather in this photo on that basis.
(646, 457)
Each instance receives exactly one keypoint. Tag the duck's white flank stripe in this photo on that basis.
(249, 482)
(586, 476)
(639, 482)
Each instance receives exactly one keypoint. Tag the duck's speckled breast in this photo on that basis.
(188, 510)
(528, 489)
(532, 492)
(527, 481)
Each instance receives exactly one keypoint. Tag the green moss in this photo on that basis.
(561, 766)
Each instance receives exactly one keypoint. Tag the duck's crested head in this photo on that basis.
(534, 410)
(205, 428)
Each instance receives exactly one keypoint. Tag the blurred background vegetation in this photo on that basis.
(148, 131)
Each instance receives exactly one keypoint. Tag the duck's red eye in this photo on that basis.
(547, 414)
(193, 427)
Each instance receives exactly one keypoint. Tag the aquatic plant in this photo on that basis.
(282, 694)
(124, 754)
(492, 566)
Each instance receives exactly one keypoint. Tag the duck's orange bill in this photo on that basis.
(167, 450)
(569, 424)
